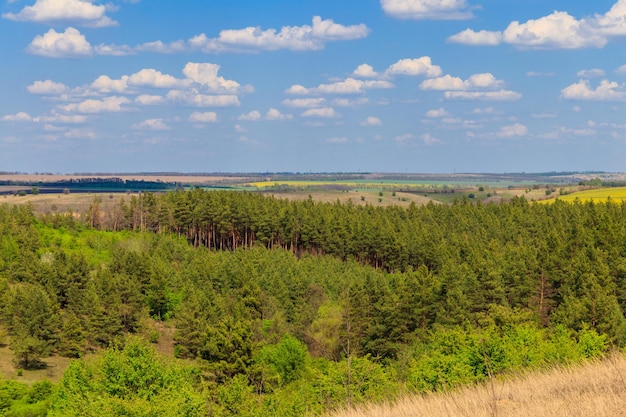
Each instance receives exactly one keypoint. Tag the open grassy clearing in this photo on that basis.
(63, 203)
(590, 390)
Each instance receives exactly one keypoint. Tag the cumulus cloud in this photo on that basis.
(47, 87)
(149, 100)
(419, 66)
(372, 121)
(348, 86)
(68, 44)
(19, 117)
(297, 38)
(205, 74)
(449, 83)
(427, 9)
(253, 116)
(107, 105)
(515, 130)
(203, 117)
(365, 71)
(559, 30)
(403, 138)
(275, 114)
(152, 124)
(79, 12)
(150, 77)
(438, 113)
(104, 84)
(483, 37)
(324, 112)
(606, 91)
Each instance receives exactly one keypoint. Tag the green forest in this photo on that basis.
(296, 308)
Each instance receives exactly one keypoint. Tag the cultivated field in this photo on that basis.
(597, 195)
(597, 389)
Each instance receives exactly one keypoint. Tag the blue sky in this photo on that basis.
(312, 85)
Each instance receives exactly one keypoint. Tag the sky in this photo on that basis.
(425, 86)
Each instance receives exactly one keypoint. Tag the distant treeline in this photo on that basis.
(97, 184)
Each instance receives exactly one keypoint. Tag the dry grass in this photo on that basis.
(370, 197)
(594, 389)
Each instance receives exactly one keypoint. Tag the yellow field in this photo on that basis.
(598, 195)
(597, 389)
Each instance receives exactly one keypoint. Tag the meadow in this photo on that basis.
(595, 389)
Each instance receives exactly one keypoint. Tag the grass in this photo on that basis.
(594, 389)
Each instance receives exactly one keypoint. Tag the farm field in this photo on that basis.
(597, 195)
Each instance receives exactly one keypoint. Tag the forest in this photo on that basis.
(299, 307)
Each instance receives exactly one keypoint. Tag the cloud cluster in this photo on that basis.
(605, 91)
(79, 12)
(427, 9)
(559, 30)
(71, 43)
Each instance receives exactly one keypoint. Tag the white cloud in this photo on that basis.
(449, 83)
(69, 44)
(558, 30)
(305, 103)
(500, 95)
(365, 71)
(297, 89)
(107, 105)
(324, 112)
(438, 113)
(515, 130)
(150, 77)
(430, 140)
(152, 124)
(47, 87)
(348, 86)
(298, 38)
(621, 70)
(80, 12)
(61, 118)
(162, 48)
(149, 100)
(19, 117)
(606, 91)
(419, 66)
(275, 114)
(114, 50)
(253, 116)
(203, 117)
(427, 9)
(591, 73)
(372, 121)
(483, 37)
(104, 84)
(205, 74)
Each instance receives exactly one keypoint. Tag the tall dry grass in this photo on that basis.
(594, 389)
